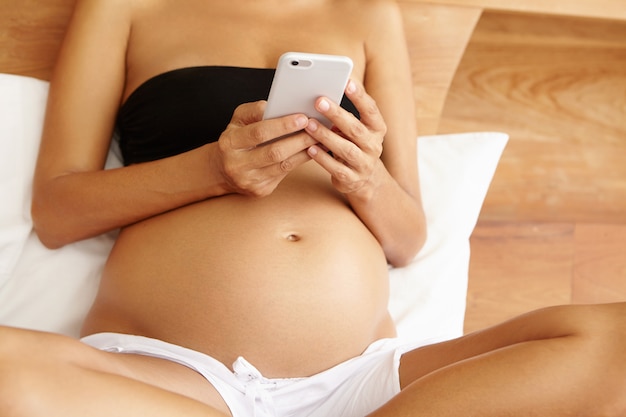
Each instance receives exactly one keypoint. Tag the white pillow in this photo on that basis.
(427, 299)
(22, 105)
(52, 289)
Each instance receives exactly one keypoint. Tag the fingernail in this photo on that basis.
(312, 125)
(313, 151)
(301, 122)
(351, 87)
(324, 105)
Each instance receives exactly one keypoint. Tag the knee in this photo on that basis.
(12, 352)
(14, 393)
(616, 338)
(606, 335)
(605, 322)
(27, 360)
(606, 327)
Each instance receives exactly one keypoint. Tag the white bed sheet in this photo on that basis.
(52, 290)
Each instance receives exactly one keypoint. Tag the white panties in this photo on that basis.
(353, 388)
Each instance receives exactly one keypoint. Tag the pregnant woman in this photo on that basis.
(250, 274)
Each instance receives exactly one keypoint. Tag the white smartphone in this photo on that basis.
(301, 78)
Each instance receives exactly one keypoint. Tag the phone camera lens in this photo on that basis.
(295, 63)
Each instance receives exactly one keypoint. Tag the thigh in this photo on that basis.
(47, 352)
(595, 321)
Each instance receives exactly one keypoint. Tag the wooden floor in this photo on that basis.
(553, 227)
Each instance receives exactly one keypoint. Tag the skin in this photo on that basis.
(300, 238)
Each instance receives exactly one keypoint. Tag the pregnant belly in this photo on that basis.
(293, 282)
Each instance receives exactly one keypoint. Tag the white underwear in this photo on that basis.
(353, 388)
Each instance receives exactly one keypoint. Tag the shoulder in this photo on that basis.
(117, 13)
(94, 17)
(99, 27)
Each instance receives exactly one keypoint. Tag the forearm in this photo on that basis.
(75, 199)
(79, 205)
(394, 216)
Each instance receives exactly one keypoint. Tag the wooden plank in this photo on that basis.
(31, 32)
(516, 268)
(558, 87)
(603, 9)
(599, 263)
(437, 37)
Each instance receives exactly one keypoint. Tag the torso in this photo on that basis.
(266, 278)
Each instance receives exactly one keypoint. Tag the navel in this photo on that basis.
(293, 237)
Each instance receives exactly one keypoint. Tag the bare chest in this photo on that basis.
(183, 37)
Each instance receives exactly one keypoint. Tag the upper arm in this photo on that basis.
(388, 80)
(85, 90)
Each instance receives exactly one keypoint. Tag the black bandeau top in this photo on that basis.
(185, 108)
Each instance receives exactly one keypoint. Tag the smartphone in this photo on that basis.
(302, 78)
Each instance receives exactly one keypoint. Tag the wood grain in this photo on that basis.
(558, 87)
(31, 32)
(517, 267)
(436, 37)
(599, 263)
(553, 226)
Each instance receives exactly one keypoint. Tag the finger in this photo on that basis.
(343, 121)
(341, 147)
(338, 170)
(351, 128)
(285, 166)
(248, 113)
(254, 131)
(281, 151)
(367, 107)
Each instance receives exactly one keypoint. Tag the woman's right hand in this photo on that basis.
(255, 155)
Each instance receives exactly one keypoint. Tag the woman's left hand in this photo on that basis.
(356, 145)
